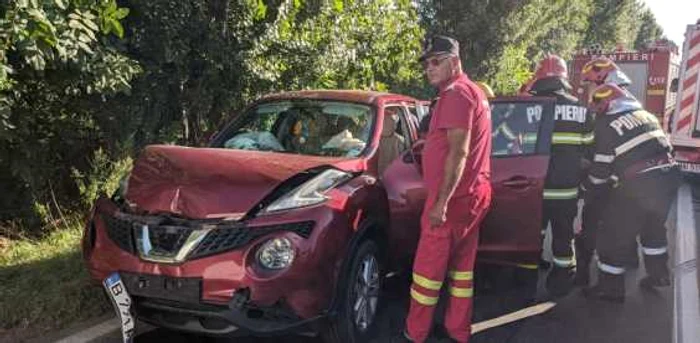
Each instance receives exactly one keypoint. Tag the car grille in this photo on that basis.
(120, 232)
(223, 239)
(169, 239)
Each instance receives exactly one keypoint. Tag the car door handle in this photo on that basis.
(517, 182)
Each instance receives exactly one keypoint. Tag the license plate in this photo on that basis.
(122, 304)
(689, 167)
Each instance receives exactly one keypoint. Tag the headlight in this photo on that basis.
(277, 253)
(312, 192)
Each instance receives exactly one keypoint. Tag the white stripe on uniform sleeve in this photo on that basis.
(596, 181)
(604, 158)
(630, 144)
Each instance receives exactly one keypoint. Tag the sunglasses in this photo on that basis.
(434, 62)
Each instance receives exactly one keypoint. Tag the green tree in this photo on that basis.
(204, 60)
(501, 39)
(510, 70)
(82, 74)
(352, 44)
(613, 23)
(56, 57)
(649, 31)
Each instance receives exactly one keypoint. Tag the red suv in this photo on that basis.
(290, 219)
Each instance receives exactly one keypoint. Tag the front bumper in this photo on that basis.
(303, 291)
(174, 303)
(235, 319)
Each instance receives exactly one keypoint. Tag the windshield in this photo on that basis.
(307, 127)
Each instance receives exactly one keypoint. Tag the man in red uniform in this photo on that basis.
(457, 170)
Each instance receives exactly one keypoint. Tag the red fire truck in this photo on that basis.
(651, 70)
(685, 125)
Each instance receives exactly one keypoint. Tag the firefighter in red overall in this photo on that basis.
(598, 71)
(632, 152)
(457, 170)
(571, 137)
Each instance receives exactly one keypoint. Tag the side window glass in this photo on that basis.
(423, 110)
(418, 113)
(396, 126)
(413, 121)
(514, 128)
(395, 137)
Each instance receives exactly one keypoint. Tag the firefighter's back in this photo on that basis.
(571, 137)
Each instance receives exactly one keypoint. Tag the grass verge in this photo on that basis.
(44, 285)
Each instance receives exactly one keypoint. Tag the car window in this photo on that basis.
(307, 127)
(514, 127)
(412, 110)
(395, 136)
(416, 114)
(395, 123)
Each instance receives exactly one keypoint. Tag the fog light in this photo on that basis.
(277, 253)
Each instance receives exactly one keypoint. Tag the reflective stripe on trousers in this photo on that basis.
(567, 138)
(445, 254)
(610, 269)
(654, 251)
(563, 262)
(560, 194)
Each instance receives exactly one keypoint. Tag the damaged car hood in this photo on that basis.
(215, 183)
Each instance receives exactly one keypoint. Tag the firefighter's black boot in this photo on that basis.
(610, 287)
(657, 270)
(633, 259)
(401, 337)
(441, 335)
(560, 281)
(583, 275)
(651, 282)
(583, 260)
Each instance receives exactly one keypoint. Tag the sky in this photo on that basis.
(674, 16)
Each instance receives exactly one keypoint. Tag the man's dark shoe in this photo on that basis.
(401, 337)
(599, 293)
(440, 333)
(652, 282)
(560, 281)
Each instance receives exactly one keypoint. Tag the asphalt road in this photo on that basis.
(643, 318)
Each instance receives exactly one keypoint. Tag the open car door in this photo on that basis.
(521, 134)
(521, 139)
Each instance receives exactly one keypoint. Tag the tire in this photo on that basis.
(347, 326)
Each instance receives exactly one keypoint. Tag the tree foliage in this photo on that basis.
(116, 76)
(56, 58)
(613, 23)
(203, 60)
(84, 84)
(501, 38)
(649, 30)
(626, 24)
